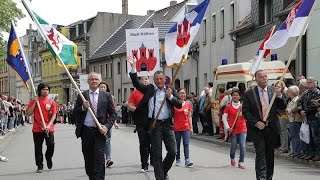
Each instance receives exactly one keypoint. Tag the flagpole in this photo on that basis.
(290, 59)
(164, 100)
(28, 71)
(61, 62)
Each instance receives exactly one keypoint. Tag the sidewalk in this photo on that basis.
(250, 148)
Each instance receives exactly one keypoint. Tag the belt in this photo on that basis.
(164, 120)
(90, 127)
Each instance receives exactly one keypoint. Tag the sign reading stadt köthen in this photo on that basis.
(143, 44)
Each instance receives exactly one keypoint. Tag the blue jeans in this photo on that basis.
(186, 139)
(315, 134)
(294, 130)
(108, 146)
(11, 122)
(241, 140)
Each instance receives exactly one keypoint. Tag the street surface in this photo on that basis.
(210, 161)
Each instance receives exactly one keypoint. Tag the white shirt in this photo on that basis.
(165, 112)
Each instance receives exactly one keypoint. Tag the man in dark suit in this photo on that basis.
(94, 139)
(255, 105)
(163, 130)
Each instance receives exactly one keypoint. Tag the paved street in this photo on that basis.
(211, 161)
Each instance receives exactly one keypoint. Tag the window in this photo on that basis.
(143, 67)
(187, 86)
(204, 32)
(35, 68)
(214, 28)
(265, 11)
(205, 80)
(177, 84)
(125, 94)
(111, 70)
(119, 67)
(100, 68)
(106, 71)
(119, 95)
(93, 68)
(222, 23)
(232, 16)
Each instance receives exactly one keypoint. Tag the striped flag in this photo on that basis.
(262, 53)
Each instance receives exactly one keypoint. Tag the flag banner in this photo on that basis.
(262, 53)
(181, 35)
(15, 58)
(67, 50)
(143, 44)
(292, 26)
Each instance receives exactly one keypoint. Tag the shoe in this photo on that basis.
(233, 162)
(3, 159)
(178, 162)
(283, 151)
(109, 163)
(142, 170)
(308, 157)
(188, 163)
(299, 155)
(317, 158)
(40, 169)
(49, 163)
(241, 165)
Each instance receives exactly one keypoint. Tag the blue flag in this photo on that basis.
(15, 59)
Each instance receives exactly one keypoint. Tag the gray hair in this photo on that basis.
(94, 74)
(303, 82)
(294, 89)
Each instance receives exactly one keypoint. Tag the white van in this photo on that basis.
(237, 75)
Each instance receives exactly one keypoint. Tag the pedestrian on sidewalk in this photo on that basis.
(162, 131)
(264, 133)
(182, 126)
(93, 140)
(40, 132)
(236, 127)
(138, 105)
(295, 122)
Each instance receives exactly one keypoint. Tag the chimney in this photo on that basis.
(172, 3)
(149, 12)
(124, 6)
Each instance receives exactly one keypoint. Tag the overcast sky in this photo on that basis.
(65, 12)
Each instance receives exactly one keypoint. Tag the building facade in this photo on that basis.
(313, 44)
(251, 32)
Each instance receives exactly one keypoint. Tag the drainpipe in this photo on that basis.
(234, 38)
(195, 58)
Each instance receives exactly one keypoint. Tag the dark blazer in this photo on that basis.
(105, 111)
(253, 111)
(149, 90)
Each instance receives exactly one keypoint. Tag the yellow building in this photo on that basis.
(51, 74)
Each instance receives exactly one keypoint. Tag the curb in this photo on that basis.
(249, 148)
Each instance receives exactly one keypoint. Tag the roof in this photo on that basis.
(116, 43)
(163, 28)
(243, 25)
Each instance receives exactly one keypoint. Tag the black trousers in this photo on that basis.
(93, 145)
(144, 146)
(163, 132)
(195, 123)
(38, 138)
(265, 143)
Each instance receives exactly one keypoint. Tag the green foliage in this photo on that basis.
(8, 11)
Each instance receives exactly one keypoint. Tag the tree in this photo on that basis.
(8, 11)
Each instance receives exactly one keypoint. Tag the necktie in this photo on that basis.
(94, 102)
(263, 102)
